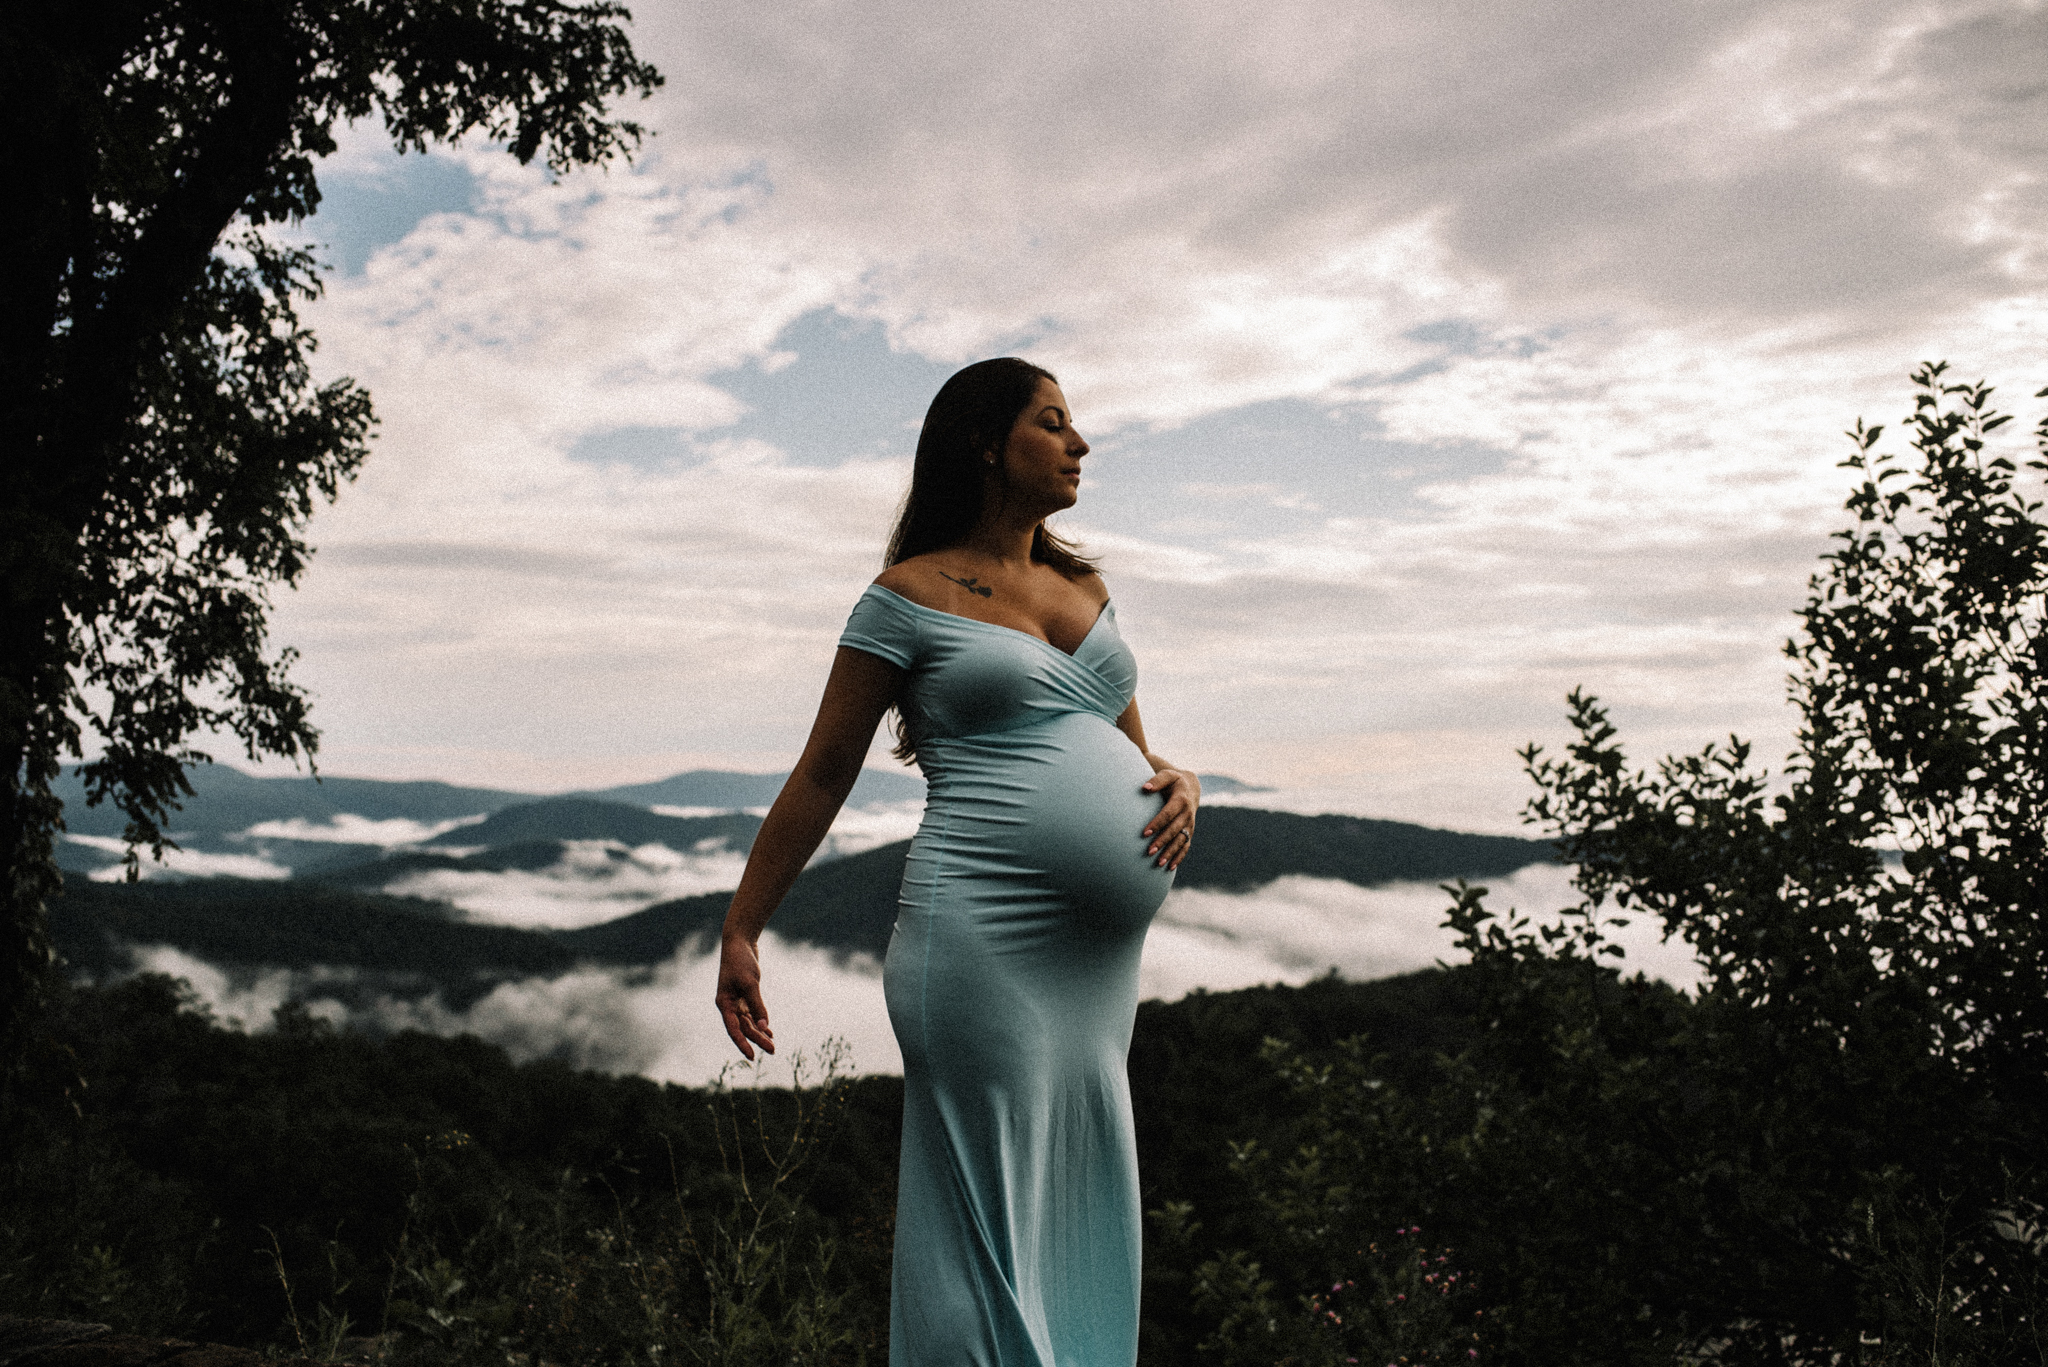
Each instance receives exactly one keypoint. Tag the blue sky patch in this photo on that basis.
(846, 394)
(642, 448)
(360, 212)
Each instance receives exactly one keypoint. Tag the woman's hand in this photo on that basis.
(1172, 832)
(859, 690)
(739, 996)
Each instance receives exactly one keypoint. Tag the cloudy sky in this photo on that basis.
(1437, 358)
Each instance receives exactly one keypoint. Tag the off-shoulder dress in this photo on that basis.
(1012, 984)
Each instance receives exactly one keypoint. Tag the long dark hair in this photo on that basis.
(970, 416)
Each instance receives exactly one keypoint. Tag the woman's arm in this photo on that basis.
(860, 689)
(1174, 827)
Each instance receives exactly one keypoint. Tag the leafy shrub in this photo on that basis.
(1832, 1153)
(735, 1270)
(302, 1187)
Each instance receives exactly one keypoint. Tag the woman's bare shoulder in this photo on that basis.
(913, 579)
(1094, 585)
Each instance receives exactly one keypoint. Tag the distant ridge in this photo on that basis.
(1239, 848)
(584, 818)
(397, 943)
(1214, 785)
(530, 837)
(225, 800)
(732, 792)
(847, 905)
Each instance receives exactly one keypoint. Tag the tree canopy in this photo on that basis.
(165, 441)
(1832, 1150)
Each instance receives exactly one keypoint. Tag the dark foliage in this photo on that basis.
(1200, 1084)
(164, 441)
(299, 926)
(159, 1150)
(1834, 1153)
(154, 1162)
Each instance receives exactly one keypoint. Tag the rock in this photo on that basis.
(65, 1343)
(19, 1337)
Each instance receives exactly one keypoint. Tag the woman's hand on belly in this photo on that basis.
(1172, 832)
(1172, 829)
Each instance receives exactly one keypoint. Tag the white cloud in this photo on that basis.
(1647, 260)
(657, 1022)
(1296, 928)
(177, 863)
(349, 829)
(245, 999)
(599, 880)
(594, 881)
(857, 830)
(660, 1022)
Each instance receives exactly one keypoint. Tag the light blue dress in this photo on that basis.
(1012, 982)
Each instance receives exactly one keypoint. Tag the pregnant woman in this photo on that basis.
(1050, 836)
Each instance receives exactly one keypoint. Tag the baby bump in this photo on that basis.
(1079, 783)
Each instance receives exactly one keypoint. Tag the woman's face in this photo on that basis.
(1043, 458)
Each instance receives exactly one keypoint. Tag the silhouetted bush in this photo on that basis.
(1833, 1152)
(165, 1173)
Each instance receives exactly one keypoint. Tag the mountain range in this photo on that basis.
(225, 800)
(327, 904)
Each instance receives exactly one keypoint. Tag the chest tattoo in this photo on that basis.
(972, 585)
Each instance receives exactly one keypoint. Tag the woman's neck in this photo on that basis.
(1006, 542)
